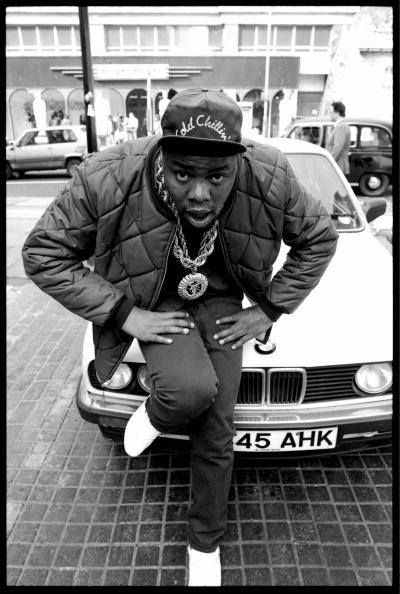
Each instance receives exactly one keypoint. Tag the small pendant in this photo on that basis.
(192, 286)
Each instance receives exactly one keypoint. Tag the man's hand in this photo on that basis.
(149, 326)
(245, 325)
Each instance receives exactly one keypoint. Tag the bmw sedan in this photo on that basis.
(323, 382)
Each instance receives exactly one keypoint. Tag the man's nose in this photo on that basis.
(200, 191)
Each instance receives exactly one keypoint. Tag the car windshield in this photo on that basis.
(318, 176)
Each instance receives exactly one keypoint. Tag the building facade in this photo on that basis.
(140, 53)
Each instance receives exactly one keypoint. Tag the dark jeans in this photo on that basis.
(196, 382)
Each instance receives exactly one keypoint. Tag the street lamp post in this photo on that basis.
(266, 118)
(87, 79)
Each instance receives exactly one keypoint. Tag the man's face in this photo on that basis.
(334, 115)
(199, 185)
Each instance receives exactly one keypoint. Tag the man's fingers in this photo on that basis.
(174, 330)
(225, 320)
(173, 314)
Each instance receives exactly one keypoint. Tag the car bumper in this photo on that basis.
(361, 422)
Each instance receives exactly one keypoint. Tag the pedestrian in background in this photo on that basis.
(338, 142)
(66, 121)
(110, 130)
(207, 230)
(131, 126)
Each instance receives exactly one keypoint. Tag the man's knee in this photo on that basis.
(189, 398)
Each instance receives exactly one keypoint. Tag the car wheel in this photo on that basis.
(72, 165)
(374, 184)
(9, 171)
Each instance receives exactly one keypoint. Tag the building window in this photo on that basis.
(43, 38)
(55, 106)
(113, 37)
(284, 38)
(253, 37)
(29, 37)
(147, 38)
(302, 37)
(129, 37)
(12, 38)
(247, 36)
(76, 106)
(321, 36)
(46, 37)
(215, 33)
(139, 38)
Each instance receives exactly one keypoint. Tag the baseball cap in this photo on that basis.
(202, 122)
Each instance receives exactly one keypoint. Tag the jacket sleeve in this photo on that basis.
(56, 248)
(312, 236)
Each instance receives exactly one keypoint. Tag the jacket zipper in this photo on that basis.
(164, 271)
(230, 269)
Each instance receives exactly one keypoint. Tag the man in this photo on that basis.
(339, 139)
(181, 226)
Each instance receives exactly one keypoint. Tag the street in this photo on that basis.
(81, 512)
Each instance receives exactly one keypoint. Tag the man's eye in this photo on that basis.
(217, 179)
(182, 176)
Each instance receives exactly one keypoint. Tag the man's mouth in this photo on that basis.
(199, 217)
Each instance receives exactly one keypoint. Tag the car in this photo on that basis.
(54, 147)
(323, 381)
(370, 155)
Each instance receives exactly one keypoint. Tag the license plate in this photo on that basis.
(285, 441)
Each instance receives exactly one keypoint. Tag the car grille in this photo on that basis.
(285, 386)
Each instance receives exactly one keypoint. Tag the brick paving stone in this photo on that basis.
(89, 577)
(32, 577)
(117, 577)
(286, 576)
(315, 576)
(343, 577)
(81, 512)
(144, 577)
(172, 577)
(13, 574)
(258, 576)
(60, 577)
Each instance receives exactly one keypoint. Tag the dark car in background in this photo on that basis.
(370, 154)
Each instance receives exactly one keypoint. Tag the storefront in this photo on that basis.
(121, 86)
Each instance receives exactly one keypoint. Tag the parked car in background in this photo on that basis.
(54, 147)
(370, 154)
(323, 382)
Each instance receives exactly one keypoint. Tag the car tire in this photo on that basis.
(72, 165)
(368, 185)
(9, 171)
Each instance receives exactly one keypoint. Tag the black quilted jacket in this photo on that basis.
(110, 210)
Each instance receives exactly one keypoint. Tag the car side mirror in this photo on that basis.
(374, 208)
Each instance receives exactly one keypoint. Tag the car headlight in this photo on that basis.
(121, 378)
(374, 377)
(143, 377)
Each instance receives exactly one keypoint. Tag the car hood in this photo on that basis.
(346, 319)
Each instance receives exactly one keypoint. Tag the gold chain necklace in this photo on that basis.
(192, 285)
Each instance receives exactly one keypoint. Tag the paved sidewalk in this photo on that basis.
(81, 512)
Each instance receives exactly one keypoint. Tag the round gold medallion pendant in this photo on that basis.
(192, 286)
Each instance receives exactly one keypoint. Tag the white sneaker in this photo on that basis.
(139, 432)
(204, 568)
